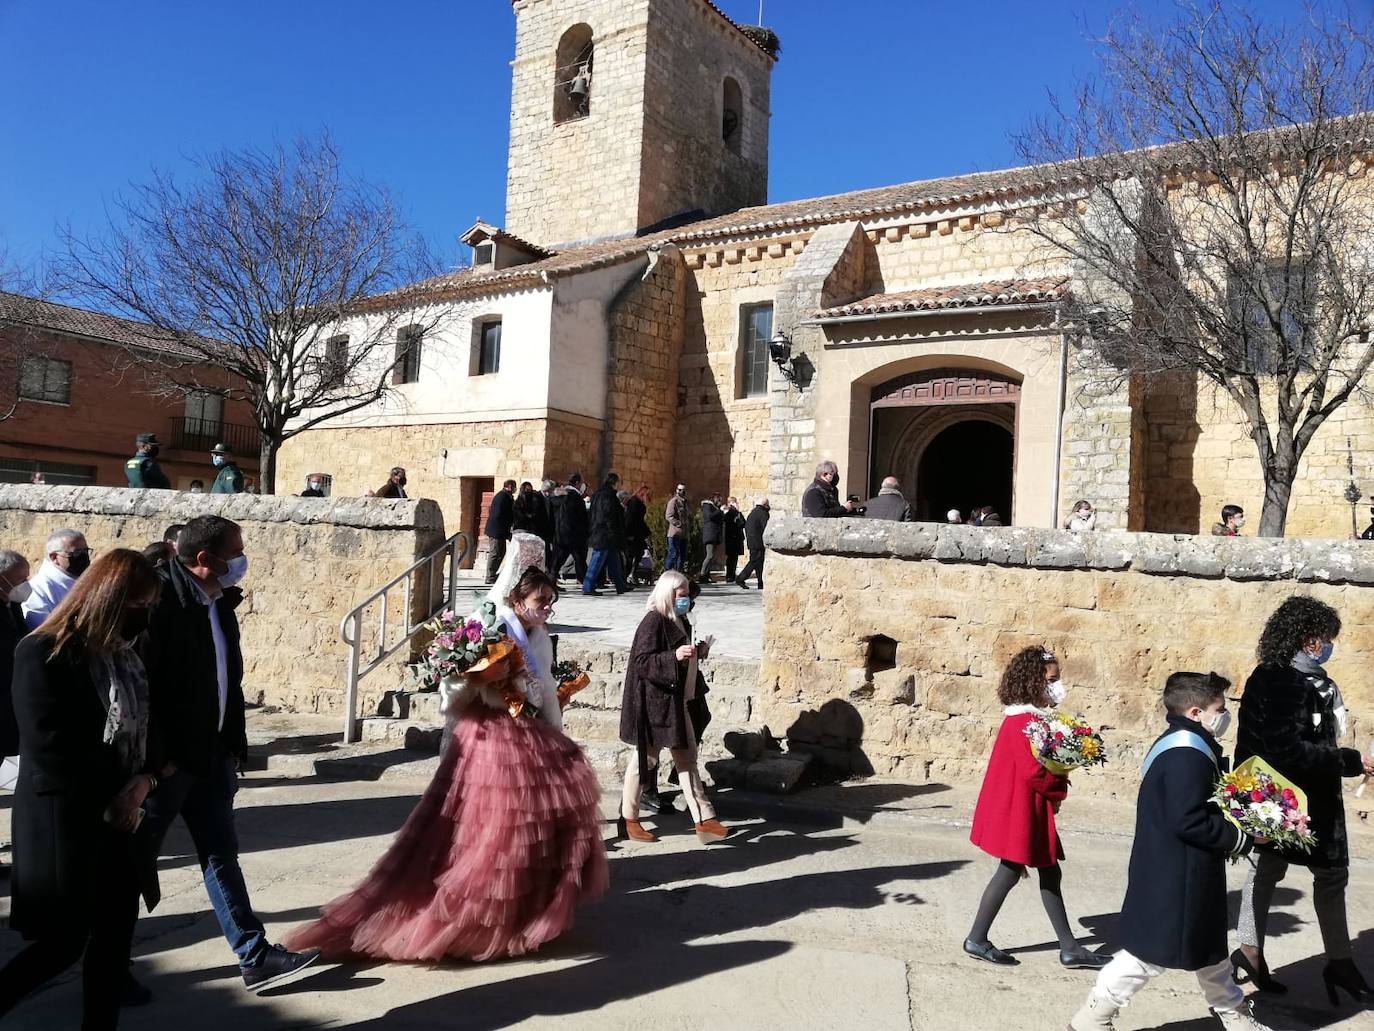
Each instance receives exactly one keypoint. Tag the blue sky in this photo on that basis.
(415, 93)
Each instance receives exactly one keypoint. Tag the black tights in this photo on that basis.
(1003, 880)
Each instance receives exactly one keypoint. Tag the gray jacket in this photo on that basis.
(889, 504)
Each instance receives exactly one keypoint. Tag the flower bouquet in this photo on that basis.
(457, 645)
(1265, 804)
(1063, 743)
(571, 678)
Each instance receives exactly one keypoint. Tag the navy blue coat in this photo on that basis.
(1175, 909)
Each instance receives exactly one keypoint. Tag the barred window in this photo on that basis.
(46, 379)
(409, 342)
(756, 329)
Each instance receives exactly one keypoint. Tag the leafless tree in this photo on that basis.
(1217, 213)
(271, 265)
(22, 289)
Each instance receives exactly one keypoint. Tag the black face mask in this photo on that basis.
(134, 623)
(78, 564)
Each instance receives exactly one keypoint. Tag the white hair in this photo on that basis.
(661, 597)
(954, 515)
(61, 537)
(827, 467)
(9, 560)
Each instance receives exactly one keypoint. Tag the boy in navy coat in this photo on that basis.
(1174, 916)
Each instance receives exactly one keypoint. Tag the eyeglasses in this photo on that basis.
(81, 551)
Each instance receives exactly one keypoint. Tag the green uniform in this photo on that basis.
(143, 471)
(229, 480)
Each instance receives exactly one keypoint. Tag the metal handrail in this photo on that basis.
(454, 549)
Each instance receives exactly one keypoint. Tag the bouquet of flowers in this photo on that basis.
(1263, 803)
(1063, 743)
(571, 678)
(458, 644)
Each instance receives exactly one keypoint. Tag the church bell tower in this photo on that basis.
(631, 114)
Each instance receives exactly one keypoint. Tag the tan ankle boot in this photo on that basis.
(711, 830)
(1095, 1015)
(634, 830)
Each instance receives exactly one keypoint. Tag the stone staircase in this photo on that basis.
(411, 719)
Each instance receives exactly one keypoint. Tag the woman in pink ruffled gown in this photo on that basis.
(506, 840)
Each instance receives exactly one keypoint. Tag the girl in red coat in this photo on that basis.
(1014, 818)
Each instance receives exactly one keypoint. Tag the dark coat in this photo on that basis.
(754, 527)
(64, 851)
(543, 507)
(526, 513)
(636, 523)
(821, 500)
(390, 489)
(888, 506)
(183, 683)
(308, 493)
(501, 518)
(146, 471)
(229, 480)
(653, 711)
(607, 520)
(734, 531)
(712, 523)
(12, 631)
(1175, 910)
(1276, 723)
(570, 522)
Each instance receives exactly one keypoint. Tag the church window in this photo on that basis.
(572, 85)
(756, 329)
(732, 115)
(486, 354)
(408, 344)
(46, 379)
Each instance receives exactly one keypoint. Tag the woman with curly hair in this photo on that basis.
(1014, 818)
(1292, 716)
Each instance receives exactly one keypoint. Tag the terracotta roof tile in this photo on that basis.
(959, 296)
(22, 310)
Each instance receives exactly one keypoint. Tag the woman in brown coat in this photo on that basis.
(665, 707)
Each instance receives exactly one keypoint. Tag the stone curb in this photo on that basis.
(1231, 558)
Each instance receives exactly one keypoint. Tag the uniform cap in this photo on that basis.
(146, 438)
(220, 449)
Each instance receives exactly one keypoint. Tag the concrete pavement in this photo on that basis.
(805, 920)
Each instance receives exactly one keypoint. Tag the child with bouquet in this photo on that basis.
(1174, 916)
(1014, 818)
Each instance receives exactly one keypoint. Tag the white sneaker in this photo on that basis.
(1095, 1015)
(1242, 1019)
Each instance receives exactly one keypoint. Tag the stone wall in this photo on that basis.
(310, 561)
(1122, 610)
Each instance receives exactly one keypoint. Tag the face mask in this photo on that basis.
(682, 606)
(134, 623)
(20, 592)
(78, 564)
(1056, 691)
(1240, 521)
(401, 482)
(1324, 656)
(314, 486)
(238, 567)
(197, 490)
(217, 459)
(1219, 725)
(152, 452)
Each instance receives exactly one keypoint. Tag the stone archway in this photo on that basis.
(950, 436)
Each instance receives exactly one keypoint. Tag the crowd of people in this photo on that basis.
(602, 538)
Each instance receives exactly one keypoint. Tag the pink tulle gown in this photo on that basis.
(503, 845)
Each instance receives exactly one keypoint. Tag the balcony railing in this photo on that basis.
(191, 434)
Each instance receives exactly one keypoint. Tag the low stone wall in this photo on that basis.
(906, 627)
(310, 561)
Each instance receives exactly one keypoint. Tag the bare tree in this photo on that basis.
(1217, 210)
(271, 265)
(22, 290)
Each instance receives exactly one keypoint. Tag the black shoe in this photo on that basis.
(4, 870)
(650, 803)
(990, 953)
(1081, 959)
(1343, 974)
(592, 593)
(132, 993)
(1256, 973)
(276, 966)
(742, 585)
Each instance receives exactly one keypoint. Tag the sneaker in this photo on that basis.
(1096, 1014)
(1242, 1019)
(276, 966)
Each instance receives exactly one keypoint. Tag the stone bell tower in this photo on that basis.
(628, 113)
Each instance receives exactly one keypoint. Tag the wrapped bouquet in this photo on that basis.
(1063, 743)
(571, 678)
(458, 644)
(1265, 804)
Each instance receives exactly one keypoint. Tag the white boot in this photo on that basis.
(1095, 1015)
(1242, 1019)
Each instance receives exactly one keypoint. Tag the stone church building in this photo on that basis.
(621, 319)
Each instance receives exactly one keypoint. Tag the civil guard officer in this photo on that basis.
(229, 479)
(143, 469)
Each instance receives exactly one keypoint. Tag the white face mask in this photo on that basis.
(1220, 724)
(1056, 691)
(20, 592)
(1240, 521)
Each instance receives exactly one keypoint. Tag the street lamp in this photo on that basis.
(1352, 489)
(780, 350)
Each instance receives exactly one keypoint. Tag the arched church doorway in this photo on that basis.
(949, 436)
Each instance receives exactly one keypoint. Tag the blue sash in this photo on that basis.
(1178, 739)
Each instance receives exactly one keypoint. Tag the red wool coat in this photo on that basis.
(1013, 819)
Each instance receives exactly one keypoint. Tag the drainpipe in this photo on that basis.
(1059, 418)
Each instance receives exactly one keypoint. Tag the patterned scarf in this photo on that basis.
(122, 684)
(1323, 685)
